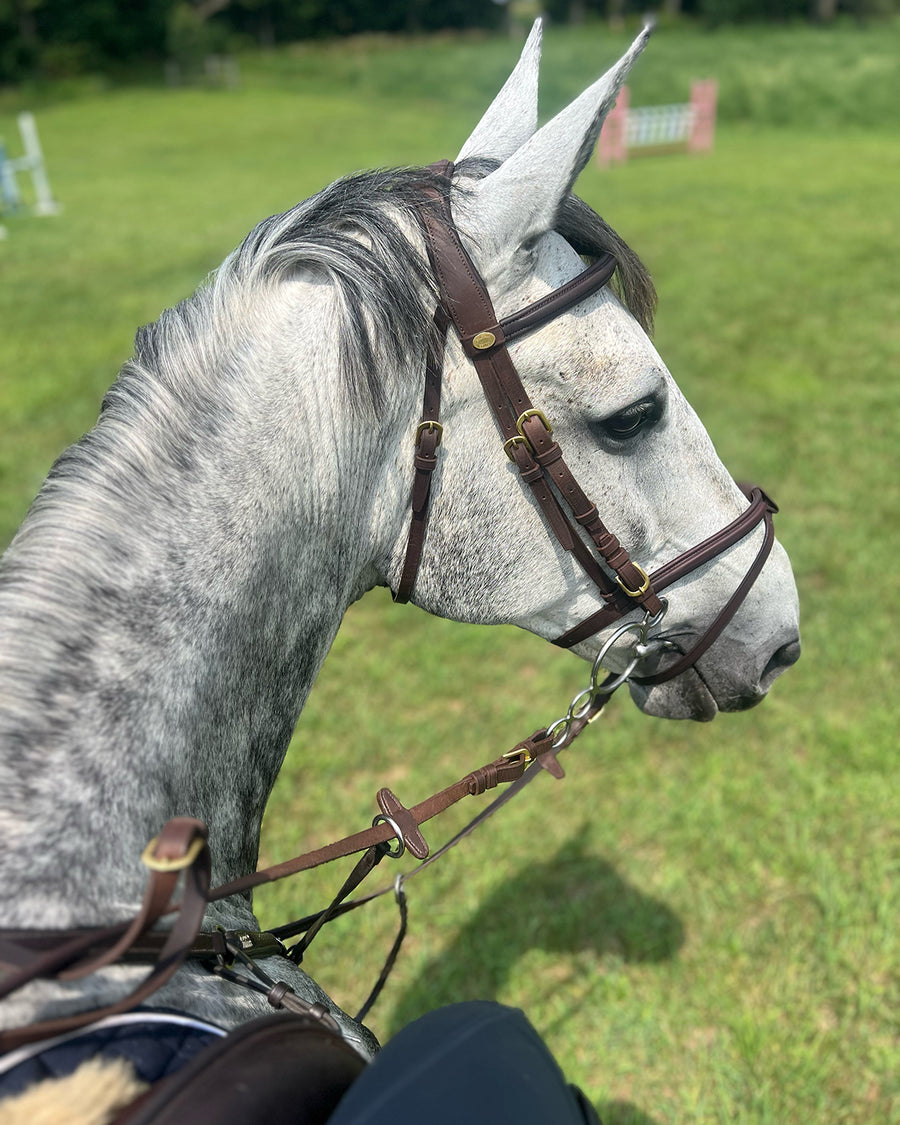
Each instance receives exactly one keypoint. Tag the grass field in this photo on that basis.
(701, 920)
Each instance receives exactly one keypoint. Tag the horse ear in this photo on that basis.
(520, 200)
(511, 117)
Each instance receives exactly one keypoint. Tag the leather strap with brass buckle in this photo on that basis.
(173, 863)
(431, 427)
(644, 586)
(532, 413)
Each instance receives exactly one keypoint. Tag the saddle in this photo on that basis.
(283, 1070)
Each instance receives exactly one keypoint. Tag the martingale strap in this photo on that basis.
(181, 849)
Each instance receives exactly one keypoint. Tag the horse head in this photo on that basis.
(636, 447)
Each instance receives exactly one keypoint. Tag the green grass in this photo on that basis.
(817, 78)
(702, 920)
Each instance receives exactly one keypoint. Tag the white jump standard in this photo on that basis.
(31, 163)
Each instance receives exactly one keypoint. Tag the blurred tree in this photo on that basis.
(57, 38)
(105, 29)
(60, 37)
(18, 37)
(192, 35)
(286, 20)
(822, 11)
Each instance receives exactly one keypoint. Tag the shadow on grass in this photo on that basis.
(623, 1113)
(572, 902)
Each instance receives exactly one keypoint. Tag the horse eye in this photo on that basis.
(628, 423)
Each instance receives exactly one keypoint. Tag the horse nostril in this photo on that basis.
(779, 662)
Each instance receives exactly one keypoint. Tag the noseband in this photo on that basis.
(528, 442)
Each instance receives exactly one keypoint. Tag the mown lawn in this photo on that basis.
(702, 920)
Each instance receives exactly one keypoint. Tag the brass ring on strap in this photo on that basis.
(430, 426)
(642, 589)
(171, 863)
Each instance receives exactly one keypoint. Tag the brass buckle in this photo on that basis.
(517, 439)
(642, 589)
(176, 863)
(533, 413)
(430, 426)
(519, 752)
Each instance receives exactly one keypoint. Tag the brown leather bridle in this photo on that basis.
(528, 442)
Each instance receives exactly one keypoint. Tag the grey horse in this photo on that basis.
(176, 585)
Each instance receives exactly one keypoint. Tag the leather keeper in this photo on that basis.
(587, 517)
(607, 545)
(621, 563)
(549, 455)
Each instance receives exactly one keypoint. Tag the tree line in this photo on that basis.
(61, 38)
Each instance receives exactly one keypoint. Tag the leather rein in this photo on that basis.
(179, 858)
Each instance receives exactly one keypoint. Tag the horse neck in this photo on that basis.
(164, 611)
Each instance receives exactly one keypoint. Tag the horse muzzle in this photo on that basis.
(731, 677)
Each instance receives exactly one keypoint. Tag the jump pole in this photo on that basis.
(32, 163)
(689, 127)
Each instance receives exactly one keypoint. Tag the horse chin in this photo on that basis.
(696, 695)
(686, 697)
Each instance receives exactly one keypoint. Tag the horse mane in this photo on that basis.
(592, 237)
(350, 234)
